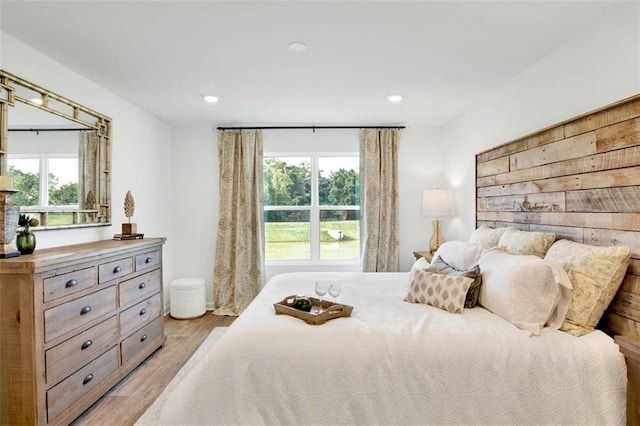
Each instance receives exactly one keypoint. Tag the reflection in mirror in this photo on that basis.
(58, 154)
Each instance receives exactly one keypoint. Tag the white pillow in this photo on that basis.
(459, 254)
(486, 237)
(520, 288)
(419, 265)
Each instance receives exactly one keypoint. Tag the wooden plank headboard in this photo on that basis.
(580, 179)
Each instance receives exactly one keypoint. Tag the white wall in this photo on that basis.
(141, 149)
(598, 66)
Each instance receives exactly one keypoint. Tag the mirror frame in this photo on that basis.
(101, 124)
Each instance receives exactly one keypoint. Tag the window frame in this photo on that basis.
(43, 169)
(314, 209)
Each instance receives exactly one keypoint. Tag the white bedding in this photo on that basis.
(393, 362)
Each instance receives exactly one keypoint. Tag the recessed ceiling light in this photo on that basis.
(395, 98)
(297, 46)
(210, 98)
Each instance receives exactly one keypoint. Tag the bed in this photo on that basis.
(394, 362)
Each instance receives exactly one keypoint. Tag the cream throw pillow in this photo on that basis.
(521, 289)
(596, 273)
(486, 237)
(515, 241)
(441, 291)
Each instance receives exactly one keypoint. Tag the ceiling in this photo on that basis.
(442, 56)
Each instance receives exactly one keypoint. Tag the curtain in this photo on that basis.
(87, 163)
(379, 200)
(239, 259)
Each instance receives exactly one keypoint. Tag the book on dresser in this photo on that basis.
(74, 320)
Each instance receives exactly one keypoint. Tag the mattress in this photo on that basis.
(394, 362)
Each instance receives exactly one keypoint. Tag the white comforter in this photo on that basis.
(393, 362)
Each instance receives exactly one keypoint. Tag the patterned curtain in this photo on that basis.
(239, 261)
(379, 200)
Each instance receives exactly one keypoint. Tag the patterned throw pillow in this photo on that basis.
(596, 273)
(441, 291)
(515, 241)
(440, 266)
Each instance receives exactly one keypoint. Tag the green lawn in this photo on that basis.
(291, 240)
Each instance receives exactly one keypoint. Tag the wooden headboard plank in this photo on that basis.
(579, 179)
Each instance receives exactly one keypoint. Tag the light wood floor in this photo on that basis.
(131, 397)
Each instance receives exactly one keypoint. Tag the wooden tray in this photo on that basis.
(329, 310)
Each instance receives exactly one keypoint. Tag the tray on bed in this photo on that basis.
(329, 310)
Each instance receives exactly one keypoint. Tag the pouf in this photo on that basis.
(187, 297)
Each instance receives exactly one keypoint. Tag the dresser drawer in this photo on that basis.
(139, 314)
(66, 392)
(74, 314)
(116, 269)
(141, 339)
(69, 283)
(68, 356)
(139, 287)
(147, 260)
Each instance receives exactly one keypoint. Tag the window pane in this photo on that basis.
(63, 182)
(26, 178)
(338, 181)
(287, 234)
(339, 234)
(287, 181)
(60, 219)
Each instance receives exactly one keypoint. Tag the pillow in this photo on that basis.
(441, 291)
(520, 288)
(596, 273)
(440, 266)
(419, 265)
(459, 254)
(486, 237)
(514, 241)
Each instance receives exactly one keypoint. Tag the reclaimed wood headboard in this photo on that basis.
(580, 179)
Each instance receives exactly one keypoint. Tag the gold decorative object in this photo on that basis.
(129, 208)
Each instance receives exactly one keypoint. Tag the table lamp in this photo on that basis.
(437, 202)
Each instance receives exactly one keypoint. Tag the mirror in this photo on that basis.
(58, 153)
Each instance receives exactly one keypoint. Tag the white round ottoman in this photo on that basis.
(187, 297)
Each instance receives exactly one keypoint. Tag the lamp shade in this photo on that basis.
(437, 202)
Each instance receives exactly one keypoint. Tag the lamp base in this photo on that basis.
(436, 238)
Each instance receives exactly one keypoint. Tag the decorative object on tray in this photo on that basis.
(26, 239)
(8, 218)
(129, 207)
(128, 236)
(327, 310)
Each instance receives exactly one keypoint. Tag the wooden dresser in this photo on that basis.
(74, 320)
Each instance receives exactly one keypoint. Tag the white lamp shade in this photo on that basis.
(437, 202)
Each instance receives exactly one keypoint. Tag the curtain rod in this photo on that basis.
(306, 127)
(49, 129)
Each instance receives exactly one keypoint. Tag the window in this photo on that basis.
(312, 210)
(46, 181)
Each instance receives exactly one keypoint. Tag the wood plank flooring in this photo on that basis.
(131, 397)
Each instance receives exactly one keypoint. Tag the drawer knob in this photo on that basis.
(143, 311)
(143, 338)
(85, 310)
(71, 283)
(86, 344)
(117, 269)
(142, 285)
(87, 379)
(148, 260)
